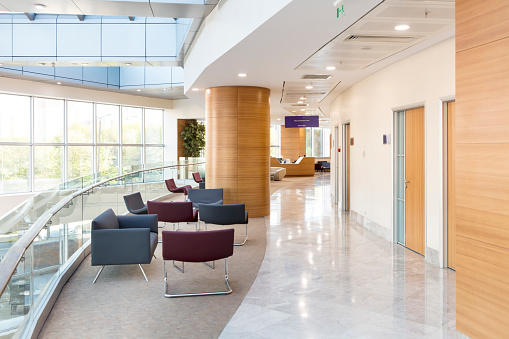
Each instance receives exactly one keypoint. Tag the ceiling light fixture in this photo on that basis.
(401, 27)
(302, 98)
(293, 111)
(40, 6)
(128, 64)
(242, 75)
(299, 102)
(164, 89)
(84, 64)
(330, 68)
(139, 90)
(59, 83)
(195, 89)
(309, 87)
(278, 119)
(302, 109)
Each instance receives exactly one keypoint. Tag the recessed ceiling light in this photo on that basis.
(302, 98)
(85, 63)
(164, 89)
(302, 109)
(1, 64)
(330, 68)
(59, 83)
(127, 64)
(309, 87)
(242, 75)
(294, 111)
(195, 89)
(278, 119)
(307, 113)
(401, 27)
(40, 6)
(299, 102)
(139, 90)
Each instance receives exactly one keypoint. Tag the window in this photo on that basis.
(45, 142)
(48, 120)
(318, 142)
(275, 143)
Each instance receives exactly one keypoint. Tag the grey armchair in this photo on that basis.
(206, 196)
(134, 203)
(224, 215)
(123, 240)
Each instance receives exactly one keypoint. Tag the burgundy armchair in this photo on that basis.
(199, 180)
(197, 247)
(172, 187)
(174, 211)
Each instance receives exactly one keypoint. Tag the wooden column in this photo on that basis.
(482, 168)
(237, 145)
(293, 143)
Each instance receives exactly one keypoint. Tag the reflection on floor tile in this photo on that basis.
(325, 276)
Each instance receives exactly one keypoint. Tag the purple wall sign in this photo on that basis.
(302, 121)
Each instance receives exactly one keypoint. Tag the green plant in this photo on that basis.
(193, 135)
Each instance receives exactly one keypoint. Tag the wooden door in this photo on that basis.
(347, 167)
(451, 216)
(414, 180)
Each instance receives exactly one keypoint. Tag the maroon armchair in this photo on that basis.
(172, 187)
(174, 211)
(318, 167)
(197, 247)
(197, 178)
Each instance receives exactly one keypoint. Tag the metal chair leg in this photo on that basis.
(245, 239)
(178, 268)
(142, 271)
(98, 274)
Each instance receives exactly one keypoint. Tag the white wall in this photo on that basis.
(182, 109)
(421, 79)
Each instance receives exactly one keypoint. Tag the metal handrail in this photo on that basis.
(15, 253)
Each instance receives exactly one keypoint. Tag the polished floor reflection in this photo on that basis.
(325, 276)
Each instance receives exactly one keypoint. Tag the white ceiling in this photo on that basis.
(304, 38)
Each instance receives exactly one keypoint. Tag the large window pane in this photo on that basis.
(131, 158)
(79, 122)
(14, 118)
(309, 143)
(48, 167)
(107, 159)
(48, 120)
(317, 142)
(15, 162)
(274, 141)
(154, 156)
(132, 118)
(154, 126)
(107, 123)
(79, 161)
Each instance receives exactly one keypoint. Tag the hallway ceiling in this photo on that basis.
(306, 37)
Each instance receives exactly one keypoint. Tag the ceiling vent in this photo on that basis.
(299, 105)
(316, 76)
(382, 38)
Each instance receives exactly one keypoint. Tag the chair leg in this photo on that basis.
(213, 266)
(142, 271)
(228, 287)
(98, 274)
(178, 268)
(245, 239)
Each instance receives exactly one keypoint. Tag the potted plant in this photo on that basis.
(193, 135)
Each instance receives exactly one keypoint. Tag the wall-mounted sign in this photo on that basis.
(301, 121)
(340, 8)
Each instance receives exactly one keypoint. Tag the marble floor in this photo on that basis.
(325, 276)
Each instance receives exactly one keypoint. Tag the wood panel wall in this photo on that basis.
(293, 143)
(237, 145)
(481, 168)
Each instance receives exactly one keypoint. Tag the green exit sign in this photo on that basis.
(340, 11)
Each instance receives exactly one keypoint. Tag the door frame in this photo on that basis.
(395, 174)
(345, 179)
(445, 211)
(335, 147)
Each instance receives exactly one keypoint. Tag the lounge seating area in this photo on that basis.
(277, 173)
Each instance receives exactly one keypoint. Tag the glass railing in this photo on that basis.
(45, 236)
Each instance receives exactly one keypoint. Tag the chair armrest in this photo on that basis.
(121, 246)
(138, 221)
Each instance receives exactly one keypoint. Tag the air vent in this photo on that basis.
(316, 76)
(299, 105)
(382, 38)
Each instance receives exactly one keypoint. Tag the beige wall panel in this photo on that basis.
(482, 115)
(482, 292)
(480, 22)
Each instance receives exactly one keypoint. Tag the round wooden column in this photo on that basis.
(237, 145)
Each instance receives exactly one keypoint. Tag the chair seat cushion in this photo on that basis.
(142, 210)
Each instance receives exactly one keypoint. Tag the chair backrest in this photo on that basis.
(205, 196)
(223, 214)
(106, 220)
(133, 201)
(197, 246)
(174, 211)
(197, 177)
(170, 184)
(318, 166)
